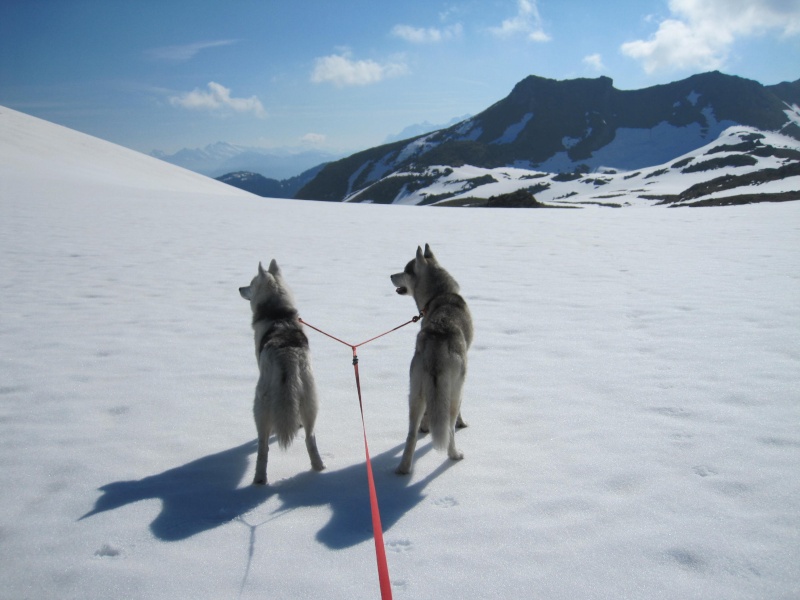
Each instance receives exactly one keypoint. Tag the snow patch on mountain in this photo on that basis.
(512, 131)
(467, 131)
(793, 114)
(415, 148)
(653, 146)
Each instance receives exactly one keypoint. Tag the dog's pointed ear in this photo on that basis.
(274, 269)
(429, 253)
(261, 271)
(420, 256)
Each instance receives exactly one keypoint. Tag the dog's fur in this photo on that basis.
(286, 396)
(439, 365)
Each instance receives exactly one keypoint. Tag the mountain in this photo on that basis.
(742, 165)
(221, 158)
(576, 125)
(269, 188)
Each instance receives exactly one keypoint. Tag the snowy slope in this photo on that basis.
(632, 394)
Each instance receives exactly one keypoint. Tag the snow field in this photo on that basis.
(632, 396)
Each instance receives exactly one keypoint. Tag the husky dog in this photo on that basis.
(439, 364)
(285, 393)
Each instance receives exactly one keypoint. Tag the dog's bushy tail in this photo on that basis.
(286, 407)
(442, 396)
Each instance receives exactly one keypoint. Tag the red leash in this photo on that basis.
(377, 528)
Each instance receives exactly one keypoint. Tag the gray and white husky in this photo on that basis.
(285, 393)
(439, 364)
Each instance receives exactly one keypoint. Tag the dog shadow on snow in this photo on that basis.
(205, 493)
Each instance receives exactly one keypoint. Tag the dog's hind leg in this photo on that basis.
(453, 453)
(416, 409)
(263, 427)
(308, 416)
(455, 416)
(313, 453)
(426, 428)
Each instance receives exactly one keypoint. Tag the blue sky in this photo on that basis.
(343, 75)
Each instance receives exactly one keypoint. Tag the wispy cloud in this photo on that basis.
(314, 139)
(341, 70)
(700, 33)
(218, 98)
(526, 22)
(595, 61)
(184, 52)
(427, 35)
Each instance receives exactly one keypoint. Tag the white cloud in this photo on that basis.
(526, 22)
(341, 70)
(314, 139)
(595, 61)
(700, 33)
(218, 97)
(185, 52)
(422, 35)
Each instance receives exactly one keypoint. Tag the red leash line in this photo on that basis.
(377, 528)
(413, 320)
(323, 333)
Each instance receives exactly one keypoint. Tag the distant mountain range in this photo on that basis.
(419, 129)
(259, 185)
(572, 127)
(222, 158)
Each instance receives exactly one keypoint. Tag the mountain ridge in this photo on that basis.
(267, 187)
(561, 126)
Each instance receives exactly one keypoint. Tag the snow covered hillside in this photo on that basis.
(632, 396)
(742, 161)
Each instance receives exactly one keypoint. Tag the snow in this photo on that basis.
(512, 131)
(793, 113)
(468, 131)
(418, 146)
(652, 146)
(632, 394)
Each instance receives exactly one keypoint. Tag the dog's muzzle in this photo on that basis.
(402, 290)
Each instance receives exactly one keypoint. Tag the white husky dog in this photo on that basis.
(285, 393)
(439, 364)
